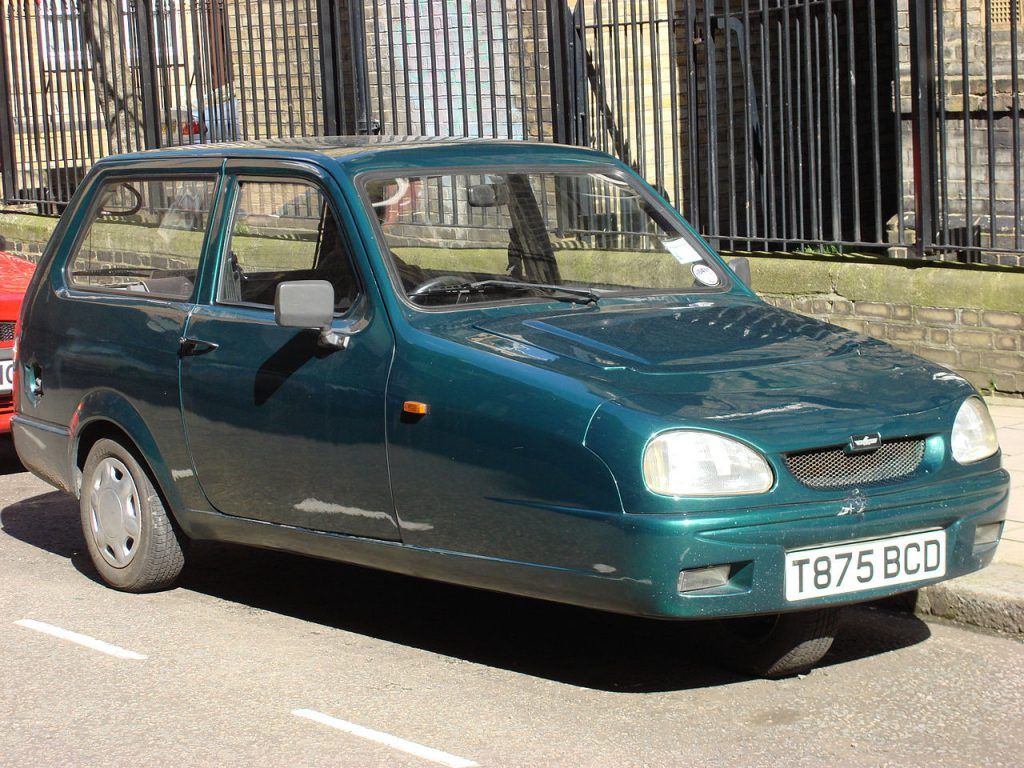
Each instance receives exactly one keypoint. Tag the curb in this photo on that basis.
(992, 598)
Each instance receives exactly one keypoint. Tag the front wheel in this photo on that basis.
(776, 645)
(130, 537)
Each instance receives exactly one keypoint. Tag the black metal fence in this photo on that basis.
(80, 79)
(887, 127)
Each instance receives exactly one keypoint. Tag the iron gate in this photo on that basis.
(870, 126)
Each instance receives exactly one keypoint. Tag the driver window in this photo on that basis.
(284, 231)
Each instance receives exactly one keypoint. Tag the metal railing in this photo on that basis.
(81, 79)
(888, 127)
(879, 127)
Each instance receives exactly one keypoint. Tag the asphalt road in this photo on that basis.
(251, 637)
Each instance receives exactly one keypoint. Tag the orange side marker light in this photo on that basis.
(415, 408)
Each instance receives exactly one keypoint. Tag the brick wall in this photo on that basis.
(446, 67)
(275, 56)
(985, 346)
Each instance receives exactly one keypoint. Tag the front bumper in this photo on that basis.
(6, 412)
(659, 548)
(6, 398)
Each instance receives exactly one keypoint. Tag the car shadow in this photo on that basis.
(10, 464)
(577, 646)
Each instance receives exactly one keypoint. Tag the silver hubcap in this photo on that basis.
(114, 512)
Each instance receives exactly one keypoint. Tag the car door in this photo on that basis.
(281, 428)
(110, 329)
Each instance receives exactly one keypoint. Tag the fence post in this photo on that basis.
(150, 95)
(923, 120)
(337, 35)
(6, 125)
(329, 66)
(560, 51)
(360, 81)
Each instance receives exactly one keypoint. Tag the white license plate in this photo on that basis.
(6, 375)
(865, 565)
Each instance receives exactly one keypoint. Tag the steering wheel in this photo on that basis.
(437, 282)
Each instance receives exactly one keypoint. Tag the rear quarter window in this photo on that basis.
(144, 236)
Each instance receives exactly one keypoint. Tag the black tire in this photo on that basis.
(131, 539)
(777, 645)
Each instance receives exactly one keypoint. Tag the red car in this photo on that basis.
(15, 274)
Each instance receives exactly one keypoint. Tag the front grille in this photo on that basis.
(834, 468)
(6, 330)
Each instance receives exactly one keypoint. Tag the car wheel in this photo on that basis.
(130, 537)
(776, 645)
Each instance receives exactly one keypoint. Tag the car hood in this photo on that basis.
(697, 337)
(734, 363)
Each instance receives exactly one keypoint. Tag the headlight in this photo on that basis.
(684, 463)
(974, 434)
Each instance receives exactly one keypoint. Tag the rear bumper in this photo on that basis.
(43, 448)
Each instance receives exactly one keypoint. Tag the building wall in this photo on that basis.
(793, 121)
(635, 91)
(459, 67)
(274, 48)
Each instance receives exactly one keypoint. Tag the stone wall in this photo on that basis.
(25, 235)
(985, 346)
(970, 319)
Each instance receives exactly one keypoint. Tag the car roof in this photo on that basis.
(360, 153)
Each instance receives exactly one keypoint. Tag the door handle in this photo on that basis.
(188, 347)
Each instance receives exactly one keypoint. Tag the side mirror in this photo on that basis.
(741, 267)
(308, 304)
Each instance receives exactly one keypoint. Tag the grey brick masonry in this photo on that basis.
(986, 347)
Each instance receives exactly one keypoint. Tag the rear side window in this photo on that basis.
(284, 231)
(144, 236)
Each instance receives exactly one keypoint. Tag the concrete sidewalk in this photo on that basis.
(994, 597)
(1009, 418)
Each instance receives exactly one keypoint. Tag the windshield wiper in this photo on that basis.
(559, 292)
(581, 295)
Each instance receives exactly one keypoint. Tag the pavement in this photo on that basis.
(992, 598)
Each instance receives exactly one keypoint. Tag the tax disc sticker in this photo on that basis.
(705, 275)
(681, 250)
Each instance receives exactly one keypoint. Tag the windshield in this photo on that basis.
(459, 238)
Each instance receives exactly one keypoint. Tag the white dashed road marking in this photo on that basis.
(75, 637)
(411, 747)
